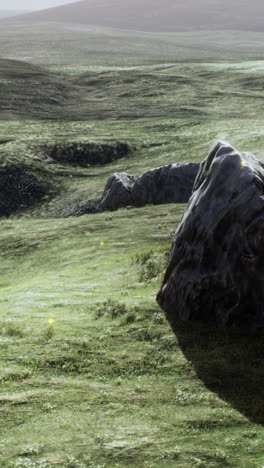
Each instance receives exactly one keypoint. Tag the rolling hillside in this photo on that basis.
(79, 47)
(155, 16)
(168, 91)
(29, 91)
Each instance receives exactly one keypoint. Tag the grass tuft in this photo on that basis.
(110, 308)
(10, 329)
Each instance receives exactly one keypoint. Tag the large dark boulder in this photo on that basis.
(18, 190)
(216, 269)
(117, 192)
(166, 184)
(86, 154)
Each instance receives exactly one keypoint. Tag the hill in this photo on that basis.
(29, 91)
(79, 47)
(155, 16)
(10, 13)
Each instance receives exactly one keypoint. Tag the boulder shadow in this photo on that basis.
(229, 362)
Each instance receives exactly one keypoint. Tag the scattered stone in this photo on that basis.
(216, 269)
(86, 154)
(18, 190)
(166, 184)
(80, 209)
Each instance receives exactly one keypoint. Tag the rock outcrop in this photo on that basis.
(117, 192)
(216, 269)
(166, 184)
(18, 190)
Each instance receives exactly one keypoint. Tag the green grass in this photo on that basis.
(91, 373)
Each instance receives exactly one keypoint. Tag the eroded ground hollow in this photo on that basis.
(19, 190)
(86, 154)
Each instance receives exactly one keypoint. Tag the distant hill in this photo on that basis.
(10, 13)
(77, 47)
(160, 16)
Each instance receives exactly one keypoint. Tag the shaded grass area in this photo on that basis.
(178, 91)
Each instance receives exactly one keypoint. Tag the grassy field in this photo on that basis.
(66, 44)
(86, 382)
(91, 373)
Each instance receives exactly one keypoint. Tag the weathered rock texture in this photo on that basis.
(18, 190)
(166, 184)
(216, 269)
(117, 192)
(86, 154)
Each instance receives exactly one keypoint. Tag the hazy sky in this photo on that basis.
(31, 4)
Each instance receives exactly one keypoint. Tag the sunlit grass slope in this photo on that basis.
(88, 385)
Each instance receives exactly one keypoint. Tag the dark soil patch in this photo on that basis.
(86, 154)
(18, 190)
